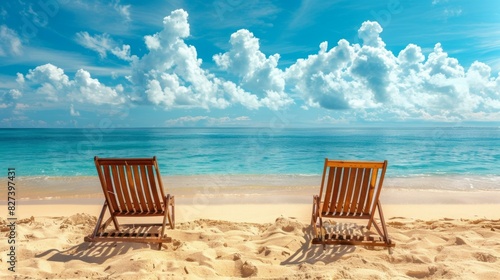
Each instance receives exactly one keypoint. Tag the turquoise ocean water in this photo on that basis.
(412, 152)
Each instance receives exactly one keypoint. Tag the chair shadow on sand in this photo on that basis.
(100, 252)
(96, 253)
(311, 253)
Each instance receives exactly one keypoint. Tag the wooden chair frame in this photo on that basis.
(350, 190)
(132, 188)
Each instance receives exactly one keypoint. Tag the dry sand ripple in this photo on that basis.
(53, 248)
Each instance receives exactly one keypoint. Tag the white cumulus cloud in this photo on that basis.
(259, 74)
(370, 79)
(348, 81)
(50, 82)
(171, 74)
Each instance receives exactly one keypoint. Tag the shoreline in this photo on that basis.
(85, 187)
(201, 203)
(291, 195)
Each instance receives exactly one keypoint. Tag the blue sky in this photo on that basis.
(248, 63)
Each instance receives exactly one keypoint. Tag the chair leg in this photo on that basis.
(382, 222)
(99, 223)
(164, 224)
(171, 209)
(382, 228)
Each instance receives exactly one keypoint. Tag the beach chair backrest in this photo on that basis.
(351, 188)
(131, 185)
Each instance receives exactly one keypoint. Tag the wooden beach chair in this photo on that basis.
(132, 189)
(350, 190)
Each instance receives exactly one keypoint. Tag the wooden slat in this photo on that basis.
(354, 164)
(138, 187)
(123, 161)
(110, 190)
(343, 187)
(160, 181)
(125, 188)
(115, 170)
(132, 187)
(357, 188)
(154, 191)
(139, 214)
(323, 179)
(336, 189)
(350, 190)
(147, 190)
(373, 183)
(328, 192)
(364, 191)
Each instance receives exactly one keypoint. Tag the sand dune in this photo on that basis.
(53, 248)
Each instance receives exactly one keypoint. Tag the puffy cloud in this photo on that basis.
(15, 94)
(373, 66)
(439, 88)
(48, 73)
(50, 81)
(102, 44)
(10, 44)
(171, 74)
(8, 98)
(259, 74)
(323, 79)
(353, 81)
(410, 59)
(370, 34)
(483, 86)
(238, 95)
(438, 62)
(371, 79)
(86, 89)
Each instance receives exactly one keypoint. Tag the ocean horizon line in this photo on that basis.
(388, 125)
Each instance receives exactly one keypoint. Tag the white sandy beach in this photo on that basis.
(438, 235)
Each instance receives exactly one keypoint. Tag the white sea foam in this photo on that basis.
(445, 182)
